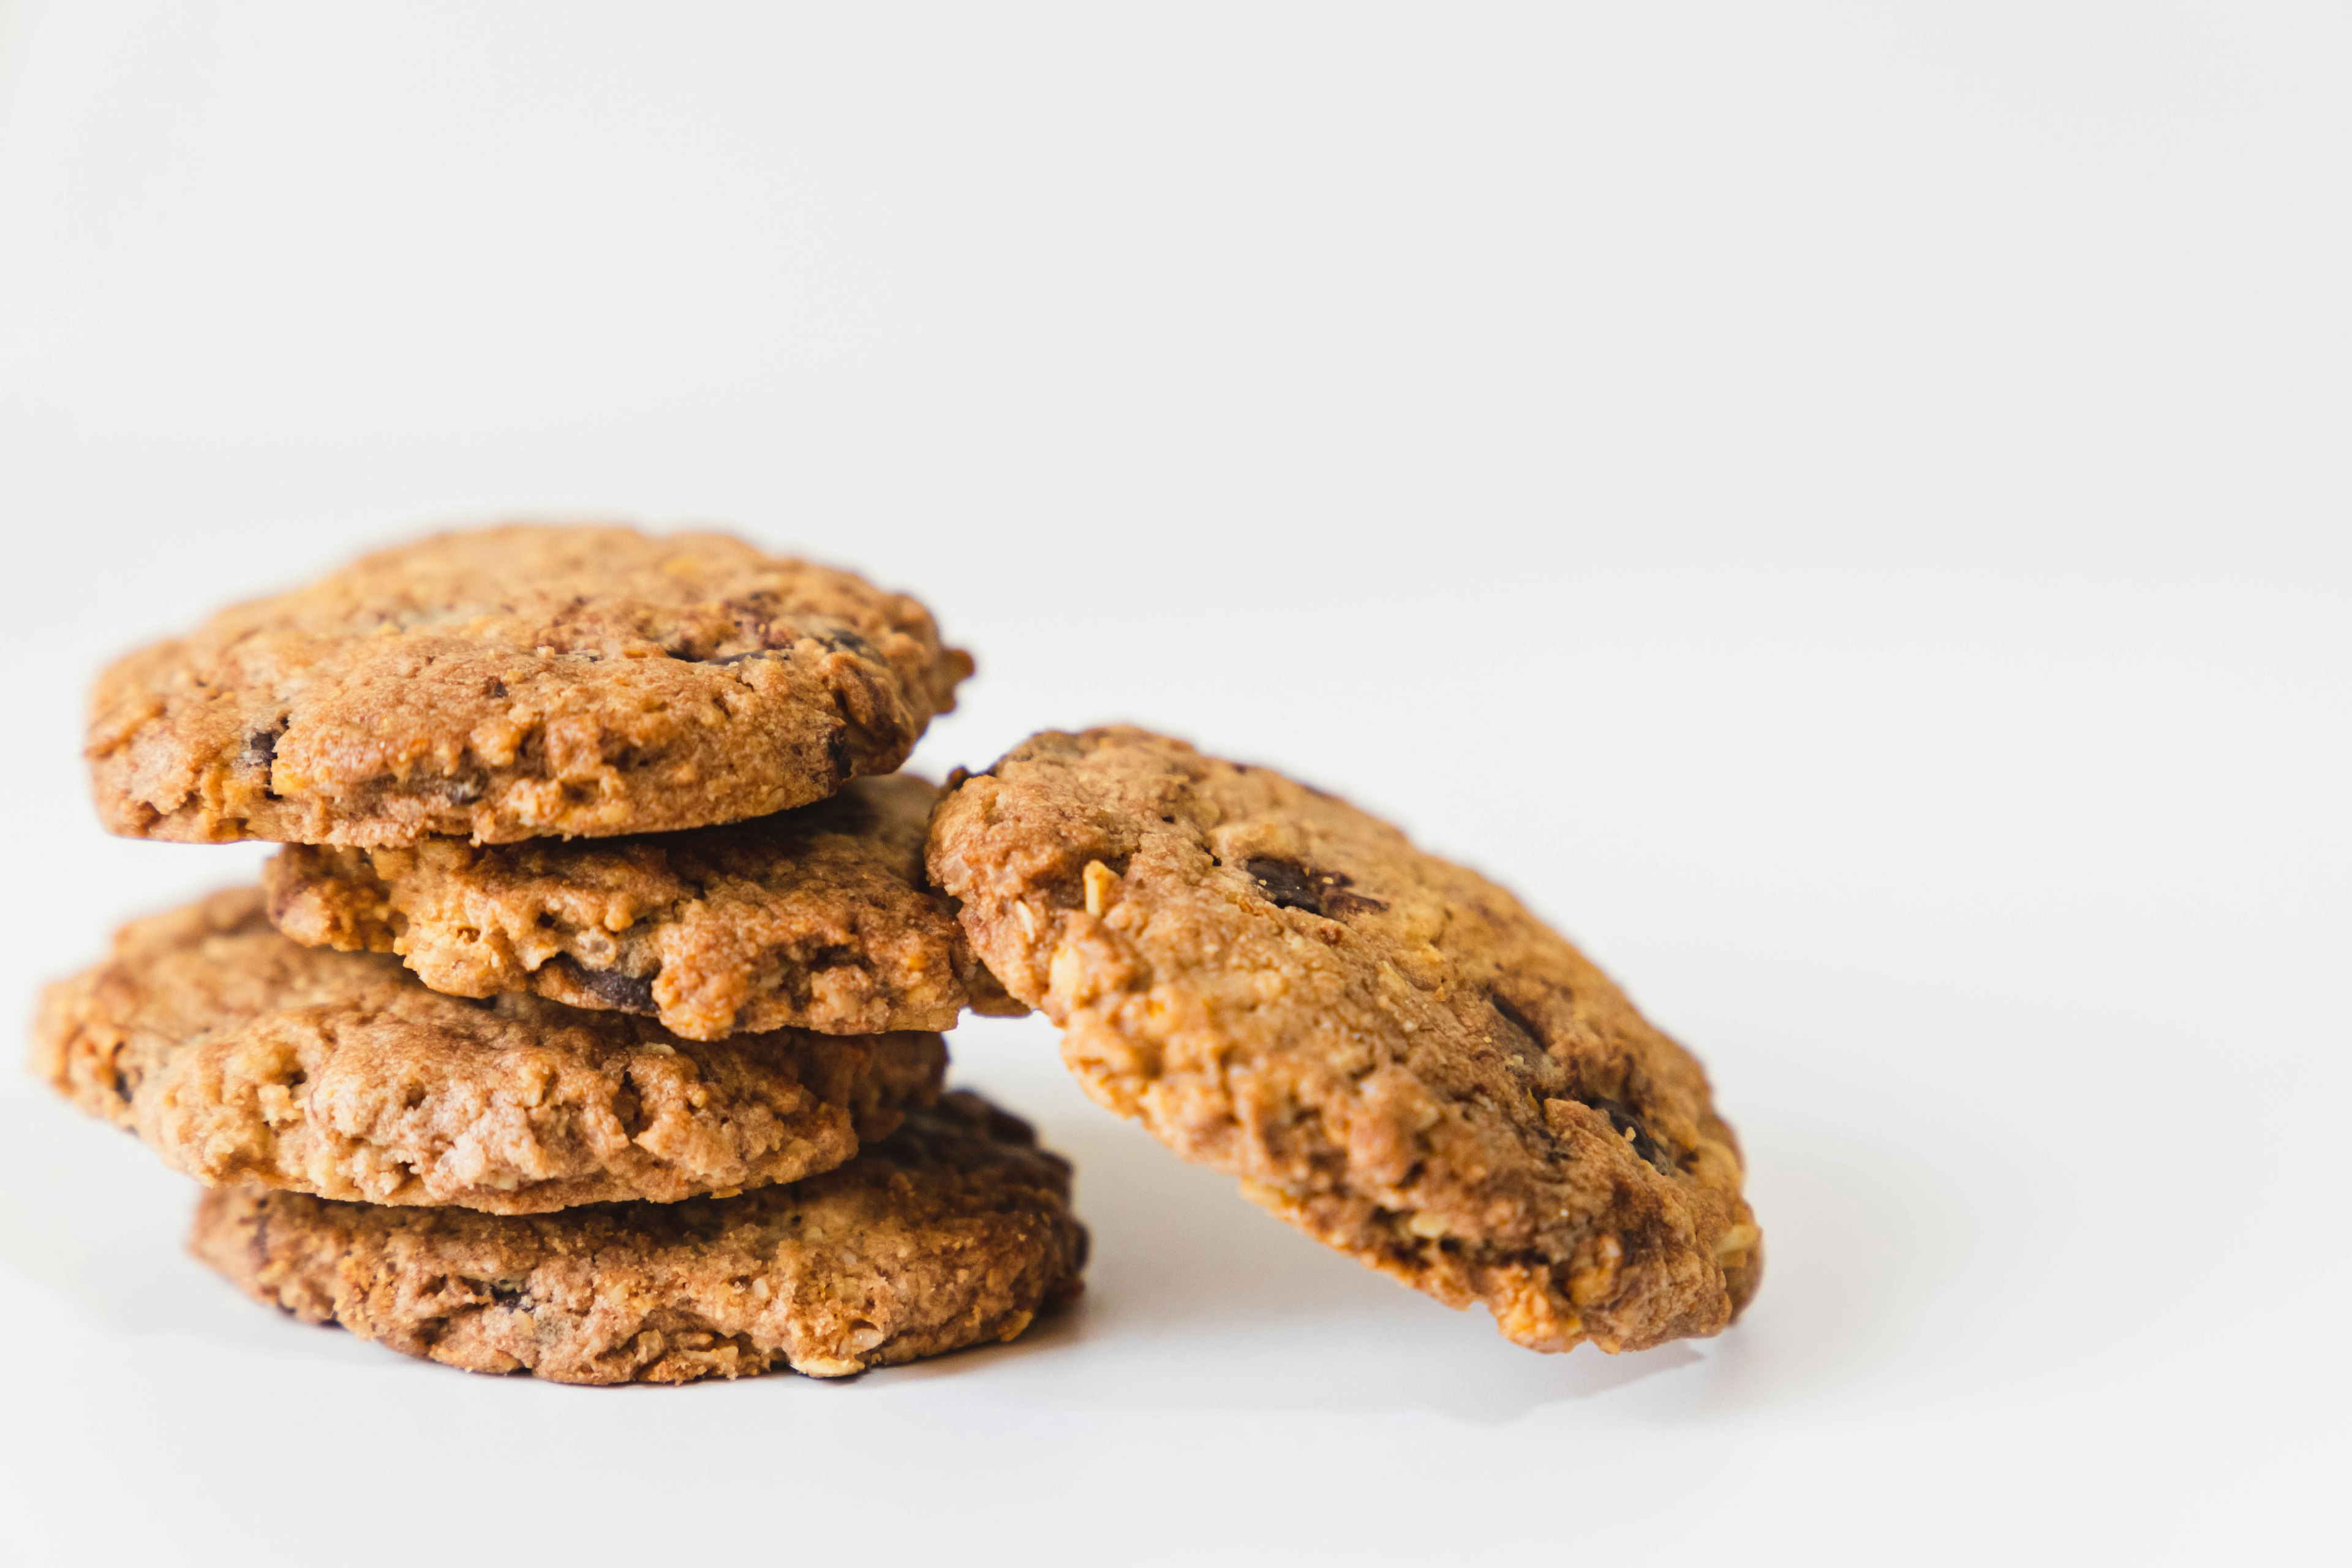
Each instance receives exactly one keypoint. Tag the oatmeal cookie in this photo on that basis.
(1388, 1050)
(817, 918)
(520, 682)
(243, 1057)
(955, 1231)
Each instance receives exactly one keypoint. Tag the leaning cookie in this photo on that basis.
(814, 919)
(243, 1057)
(1388, 1050)
(520, 682)
(955, 1231)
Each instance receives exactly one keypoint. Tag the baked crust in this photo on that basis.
(817, 918)
(1390, 1051)
(518, 682)
(242, 1058)
(955, 1231)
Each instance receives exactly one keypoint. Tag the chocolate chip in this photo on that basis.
(260, 753)
(1290, 886)
(494, 687)
(1621, 1117)
(1517, 1016)
(628, 993)
(260, 748)
(836, 751)
(841, 639)
(623, 993)
(1286, 886)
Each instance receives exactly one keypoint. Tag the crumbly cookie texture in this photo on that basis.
(520, 682)
(817, 918)
(243, 1057)
(1390, 1051)
(955, 1231)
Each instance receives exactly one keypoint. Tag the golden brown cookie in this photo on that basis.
(817, 918)
(241, 1056)
(955, 1231)
(520, 682)
(1390, 1051)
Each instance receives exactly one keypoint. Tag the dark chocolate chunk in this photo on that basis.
(260, 753)
(1621, 1117)
(841, 639)
(1290, 886)
(1285, 885)
(623, 993)
(1517, 1016)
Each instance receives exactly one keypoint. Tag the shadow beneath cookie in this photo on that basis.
(1198, 1299)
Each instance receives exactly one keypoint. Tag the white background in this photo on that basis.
(1844, 506)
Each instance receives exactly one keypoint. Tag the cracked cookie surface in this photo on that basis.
(243, 1057)
(518, 682)
(955, 1231)
(1390, 1051)
(817, 918)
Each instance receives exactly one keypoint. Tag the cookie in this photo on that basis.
(1390, 1051)
(955, 1231)
(241, 1056)
(816, 919)
(520, 682)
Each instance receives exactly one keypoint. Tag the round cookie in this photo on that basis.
(955, 1231)
(520, 682)
(1390, 1051)
(817, 918)
(241, 1056)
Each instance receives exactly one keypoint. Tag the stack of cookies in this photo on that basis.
(587, 1023)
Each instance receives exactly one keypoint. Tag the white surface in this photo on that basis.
(1845, 507)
